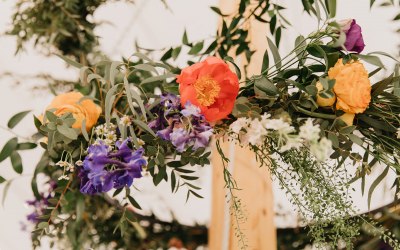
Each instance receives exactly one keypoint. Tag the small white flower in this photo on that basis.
(63, 177)
(398, 133)
(62, 164)
(110, 138)
(309, 131)
(125, 121)
(140, 142)
(321, 149)
(292, 141)
(240, 123)
(279, 125)
(256, 132)
(99, 130)
(79, 163)
(70, 168)
(108, 142)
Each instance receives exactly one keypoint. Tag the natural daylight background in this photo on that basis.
(153, 26)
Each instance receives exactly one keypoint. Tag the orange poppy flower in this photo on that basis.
(211, 86)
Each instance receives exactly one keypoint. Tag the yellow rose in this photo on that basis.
(348, 118)
(324, 102)
(68, 103)
(352, 87)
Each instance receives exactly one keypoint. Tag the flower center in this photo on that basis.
(207, 90)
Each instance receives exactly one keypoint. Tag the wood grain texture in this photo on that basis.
(256, 194)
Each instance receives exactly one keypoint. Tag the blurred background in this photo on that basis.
(152, 24)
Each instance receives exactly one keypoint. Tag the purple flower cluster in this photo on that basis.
(41, 204)
(182, 127)
(104, 169)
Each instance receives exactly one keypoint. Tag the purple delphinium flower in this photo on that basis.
(103, 169)
(183, 127)
(354, 39)
(190, 110)
(40, 204)
(131, 167)
(180, 138)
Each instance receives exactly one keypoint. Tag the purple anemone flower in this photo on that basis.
(354, 39)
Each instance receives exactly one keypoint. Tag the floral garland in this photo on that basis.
(300, 116)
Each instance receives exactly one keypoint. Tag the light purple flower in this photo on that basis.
(179, 138)
(354, 39)
(190, 110)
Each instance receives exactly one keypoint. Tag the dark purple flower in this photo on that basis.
(354, 39)
(103, 170)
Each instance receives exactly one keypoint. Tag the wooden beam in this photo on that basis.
(255, 182)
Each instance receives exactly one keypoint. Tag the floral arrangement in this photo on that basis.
(307, 117)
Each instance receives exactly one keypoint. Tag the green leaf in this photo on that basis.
(318, 52)
(139, 101)
(265, 85)
(109, 101)
(8, 148)
(278, 34)
(134, 202)
(371, 3)
(16, 162)
(317, 11)
(196, 48)
(190, 178)
(146, 67)
(70, 62)
(83, 130)
(275, 54)
(113, 71)
(26, 146)
(334, 139)
(40, 167)
(43, 225)
(144, 126)
(374, 60)
(157, 78)
(384, 54)
(217, 10)
(375, 184)
(265, 63)
(356, 139)
(70, 133)
(312, 90)
(51, 116)
(2, 179)
(397, 17)
(176, 52)
(5, 191)
(185, 39)
(347, 130)
(142, 56)
(237, 69)
(17, 118)
(173, 181)
(332, 8)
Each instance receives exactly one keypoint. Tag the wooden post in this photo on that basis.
(255, 182)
